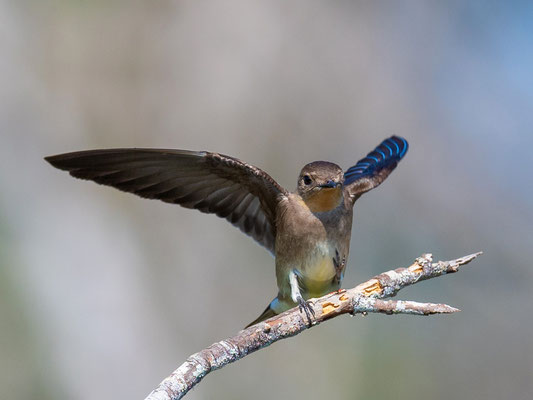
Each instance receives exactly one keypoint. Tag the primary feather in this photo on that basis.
(213, 183)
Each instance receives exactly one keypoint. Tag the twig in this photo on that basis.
(364, 298)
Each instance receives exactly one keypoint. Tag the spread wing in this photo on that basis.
(375, 167)
(212, 183)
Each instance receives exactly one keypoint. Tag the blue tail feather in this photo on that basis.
(389, 152)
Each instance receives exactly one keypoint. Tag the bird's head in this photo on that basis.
(320, 185)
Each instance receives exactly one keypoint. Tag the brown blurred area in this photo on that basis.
(103, 294)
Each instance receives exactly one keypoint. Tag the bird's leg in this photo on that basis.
(296, 296)
(339, 267)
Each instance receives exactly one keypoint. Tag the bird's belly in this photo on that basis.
(318, 271)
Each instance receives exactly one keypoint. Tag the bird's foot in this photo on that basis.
(306, 307)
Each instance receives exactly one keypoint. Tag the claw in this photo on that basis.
(306, 307)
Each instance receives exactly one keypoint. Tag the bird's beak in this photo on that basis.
(329, 185)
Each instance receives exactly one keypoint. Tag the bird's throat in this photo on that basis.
(326, 199)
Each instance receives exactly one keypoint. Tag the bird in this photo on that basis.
(307, 231)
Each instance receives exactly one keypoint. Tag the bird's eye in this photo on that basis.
(307, 179)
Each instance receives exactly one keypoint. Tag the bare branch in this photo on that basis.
(365, 305)
(364, 298)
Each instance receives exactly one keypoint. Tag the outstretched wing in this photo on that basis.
(375, 167)
(212, 183)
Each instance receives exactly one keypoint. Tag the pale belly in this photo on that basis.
(317, 273)
(316, 277)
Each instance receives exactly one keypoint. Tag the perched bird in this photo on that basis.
(307, 231)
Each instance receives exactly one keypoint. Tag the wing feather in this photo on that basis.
(370, 171)
(212, 183)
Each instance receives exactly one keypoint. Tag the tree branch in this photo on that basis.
(364, 298)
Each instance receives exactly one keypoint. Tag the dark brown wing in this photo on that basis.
(212, 183)
(370, 171)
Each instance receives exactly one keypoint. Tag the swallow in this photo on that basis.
(307, 231)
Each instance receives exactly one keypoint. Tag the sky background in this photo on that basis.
(103, 294)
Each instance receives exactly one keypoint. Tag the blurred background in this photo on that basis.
(103, 294)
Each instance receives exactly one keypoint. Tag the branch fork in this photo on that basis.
(363, 299)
